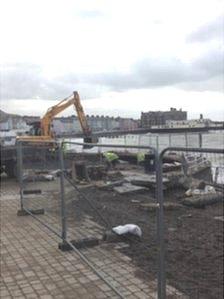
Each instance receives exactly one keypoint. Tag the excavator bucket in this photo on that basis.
(90, 139)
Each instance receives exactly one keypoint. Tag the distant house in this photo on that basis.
(68, 125)
(6, 125)
(31, 119)
(127, 123)
(5, 121)
(12, 122)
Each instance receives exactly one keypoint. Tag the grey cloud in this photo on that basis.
(212, 30)
(27, 81)
(151, 73)
(211, 64)
(212, 84)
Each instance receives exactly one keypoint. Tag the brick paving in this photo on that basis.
(32, 266)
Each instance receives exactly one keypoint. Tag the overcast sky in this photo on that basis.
(123, 57)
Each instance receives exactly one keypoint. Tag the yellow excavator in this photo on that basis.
(44, 133)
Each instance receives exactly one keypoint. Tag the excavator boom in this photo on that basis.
(46, 121)
(46, 133)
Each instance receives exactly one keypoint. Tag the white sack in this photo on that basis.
(128, 228)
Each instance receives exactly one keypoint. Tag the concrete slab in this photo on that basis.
(128, 188)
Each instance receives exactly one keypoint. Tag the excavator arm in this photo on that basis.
(46, 121)
(47, 135)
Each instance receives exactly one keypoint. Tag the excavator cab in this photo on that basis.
(35, 129)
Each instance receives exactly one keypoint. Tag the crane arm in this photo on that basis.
(56, 109)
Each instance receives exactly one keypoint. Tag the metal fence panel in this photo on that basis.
(80, 195)
(40, 189)
(193, 220)
(100, 196)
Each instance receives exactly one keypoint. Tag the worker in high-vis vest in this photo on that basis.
(111, 159)
(64, 147)
(140, 158)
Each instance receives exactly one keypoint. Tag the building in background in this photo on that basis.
(188, 123)
(14, 122)
(71, 125)
(126, 124)
(159, 118)
(102, 123)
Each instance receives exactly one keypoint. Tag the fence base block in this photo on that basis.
(79, 244)
(64, 246)
(111, 237)
(34, 212)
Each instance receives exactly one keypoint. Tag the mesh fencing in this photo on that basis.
(82, 194)
(101, 195)
(39, 177)
(193, 220)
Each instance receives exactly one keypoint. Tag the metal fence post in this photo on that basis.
(186, 140)
(157, 143)
(139, 140)
(62, 194)
(20, 171)
(125, 140)
(160, 228)
(200, 140)
(170, 139)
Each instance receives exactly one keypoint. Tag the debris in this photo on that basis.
(135, 201)
(201, 191)
(175, 166)
(128, 228)
(40, 177)
(166, 205)
(127, 188)
(114, 176)
(149, 182)
(220, 218)
(56, 173)
(81, 171)
(35, 191)
(47, 177)
(197, 166)
(108, 185)
(141, 179)
(171, 157)
(96, 172)
(200, 201)
(185, 216)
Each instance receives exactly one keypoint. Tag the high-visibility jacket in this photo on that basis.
(110, 156)
(140, 157)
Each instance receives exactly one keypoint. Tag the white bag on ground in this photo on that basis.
(128, 228)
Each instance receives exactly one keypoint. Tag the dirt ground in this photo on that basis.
(193, 238)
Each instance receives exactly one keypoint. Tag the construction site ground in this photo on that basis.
(32, 266)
